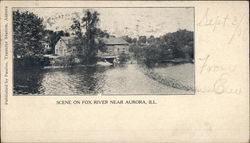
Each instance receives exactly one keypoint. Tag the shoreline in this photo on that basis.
(166, 80)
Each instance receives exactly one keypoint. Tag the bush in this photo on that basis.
(64, 61)
(123, 58)
(176, 45)
(31, 61)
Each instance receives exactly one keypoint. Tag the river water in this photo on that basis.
(91, 80)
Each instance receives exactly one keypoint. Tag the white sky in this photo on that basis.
(122, 21)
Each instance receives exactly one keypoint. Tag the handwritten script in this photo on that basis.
(221, 84)
(218, 22)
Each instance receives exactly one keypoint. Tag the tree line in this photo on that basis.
(177, 45)
(29, 36)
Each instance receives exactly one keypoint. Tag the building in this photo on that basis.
(66, 46)
(115, 46)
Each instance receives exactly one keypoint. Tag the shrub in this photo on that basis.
(31, 61)
(123, 58)
(64, 61)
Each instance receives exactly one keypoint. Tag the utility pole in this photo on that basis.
(126, 31)
(178, 23)
(116, 28)
(137, 30)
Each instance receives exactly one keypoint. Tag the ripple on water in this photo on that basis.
(93, 80)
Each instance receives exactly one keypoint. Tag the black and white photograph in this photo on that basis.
(124, 71)
(60, 51)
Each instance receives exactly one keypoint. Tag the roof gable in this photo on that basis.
(70, 41)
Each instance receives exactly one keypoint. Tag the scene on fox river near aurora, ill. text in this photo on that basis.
(103, 51)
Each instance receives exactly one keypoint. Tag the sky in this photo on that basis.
(133, 22)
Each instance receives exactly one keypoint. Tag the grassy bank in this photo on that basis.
(177, 76)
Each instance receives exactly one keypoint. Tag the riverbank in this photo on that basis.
(104, 64)
(124, 79)
(179, 76)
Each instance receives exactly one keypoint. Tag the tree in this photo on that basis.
(134, 40)
(87, 31)
(28, 34)
(179, 44)
(142, 39)
(123, 58)
(128, 39)
(151, 39)
(102, 33)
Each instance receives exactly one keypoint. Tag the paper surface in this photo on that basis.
(218, 111)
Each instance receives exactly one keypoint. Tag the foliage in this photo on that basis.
(128, 39)
(180, 42)
(176, 45)
(134, 40)
(142, 39)
(123, 58)
(87, 31)
(151, 39)
(28, 34)
(101, 46)
(101, 33)
(64, 61)
(30, 61)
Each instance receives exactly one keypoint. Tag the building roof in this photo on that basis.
(114, 41)
(70, 41)
(73, 41)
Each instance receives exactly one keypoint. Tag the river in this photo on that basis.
(88, 80)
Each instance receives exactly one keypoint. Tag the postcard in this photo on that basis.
(124, 71)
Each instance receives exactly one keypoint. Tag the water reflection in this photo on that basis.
(87, 80)
(76, 80)
(28, 81)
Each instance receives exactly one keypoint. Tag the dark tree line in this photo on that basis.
(28, 37)
(171, 46)
(28, 33)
